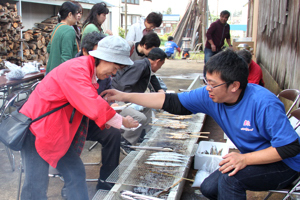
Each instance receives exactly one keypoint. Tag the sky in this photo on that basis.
(179, 6)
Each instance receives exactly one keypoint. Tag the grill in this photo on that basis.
(134, 175)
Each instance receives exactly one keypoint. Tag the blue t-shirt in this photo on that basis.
(257, 122)
(169, 47)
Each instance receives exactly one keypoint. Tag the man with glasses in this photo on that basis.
(252, 117)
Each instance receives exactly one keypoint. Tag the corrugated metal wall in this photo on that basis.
(278, 44)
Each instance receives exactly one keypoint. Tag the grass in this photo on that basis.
(197, 56)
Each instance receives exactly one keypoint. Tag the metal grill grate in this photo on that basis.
(134, 175)
(101, 194)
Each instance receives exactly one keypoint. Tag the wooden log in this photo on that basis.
(26, 52)
(10, 54)
(39, 44)
(37, 36)
(32, 46)
(41, 58)
(6, 27)
(16, 37)
(15, 24)
(43, 40)
(38, 51)
(11, 46)
(44, 49)
(34, 57)
(27, 36)
(25, 45)
(17, 46)
(51, 20)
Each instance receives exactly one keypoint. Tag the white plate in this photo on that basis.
(130, 129)
(119, 107)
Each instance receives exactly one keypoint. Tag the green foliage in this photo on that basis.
(164, 38)
(121, 32)
(169, 11)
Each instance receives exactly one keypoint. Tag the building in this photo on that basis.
(169, 23)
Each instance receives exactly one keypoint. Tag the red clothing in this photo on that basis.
(255, 74)
(70, 82)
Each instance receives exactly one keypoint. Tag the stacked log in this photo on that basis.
(10, 37)
(37, 39)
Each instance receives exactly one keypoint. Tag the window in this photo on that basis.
(132, 1)
(131, 19)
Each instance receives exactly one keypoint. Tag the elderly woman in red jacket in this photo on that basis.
(50, 140)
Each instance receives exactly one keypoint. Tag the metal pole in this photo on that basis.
(125, 18)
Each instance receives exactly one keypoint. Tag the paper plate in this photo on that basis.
(130, 129)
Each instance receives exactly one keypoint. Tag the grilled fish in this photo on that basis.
(165, 164)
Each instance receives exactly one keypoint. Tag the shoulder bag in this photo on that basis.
(13, 128)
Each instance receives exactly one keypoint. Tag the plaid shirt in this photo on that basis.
(80, 136)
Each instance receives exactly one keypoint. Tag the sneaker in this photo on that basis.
(142, 137)
(125, 149)
(124, 146)
(103, 185)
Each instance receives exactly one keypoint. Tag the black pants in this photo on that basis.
(110, 140)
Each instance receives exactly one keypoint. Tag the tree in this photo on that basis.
(169, 11)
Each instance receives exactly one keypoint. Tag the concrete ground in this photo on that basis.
(177, 74)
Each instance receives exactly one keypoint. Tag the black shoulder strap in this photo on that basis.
(50, 112)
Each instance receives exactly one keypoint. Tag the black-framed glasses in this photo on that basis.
(212, 87)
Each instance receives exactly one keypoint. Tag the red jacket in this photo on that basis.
(69, 82)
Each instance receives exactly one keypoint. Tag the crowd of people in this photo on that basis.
(90, 69)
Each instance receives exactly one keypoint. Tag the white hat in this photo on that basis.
(113, 49)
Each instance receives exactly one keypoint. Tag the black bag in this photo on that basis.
(13, 128)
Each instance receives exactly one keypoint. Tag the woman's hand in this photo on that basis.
(129, 122)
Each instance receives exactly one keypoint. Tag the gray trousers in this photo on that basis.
(143, 117)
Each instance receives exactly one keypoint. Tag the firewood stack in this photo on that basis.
(10, 27)
(37, 39)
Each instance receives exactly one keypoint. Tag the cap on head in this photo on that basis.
(113, 49)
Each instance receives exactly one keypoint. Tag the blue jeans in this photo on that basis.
(253, 177)
(36, 173)
(207, 54)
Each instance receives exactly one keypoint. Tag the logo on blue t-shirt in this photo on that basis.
(246, 123)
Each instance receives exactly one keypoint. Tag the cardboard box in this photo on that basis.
(204, 147)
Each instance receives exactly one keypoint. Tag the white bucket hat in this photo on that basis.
(113, 49)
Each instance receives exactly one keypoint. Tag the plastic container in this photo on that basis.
(209, 152)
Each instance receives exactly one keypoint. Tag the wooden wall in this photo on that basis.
(278, 41)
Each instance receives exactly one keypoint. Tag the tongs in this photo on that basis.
(151, 148)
